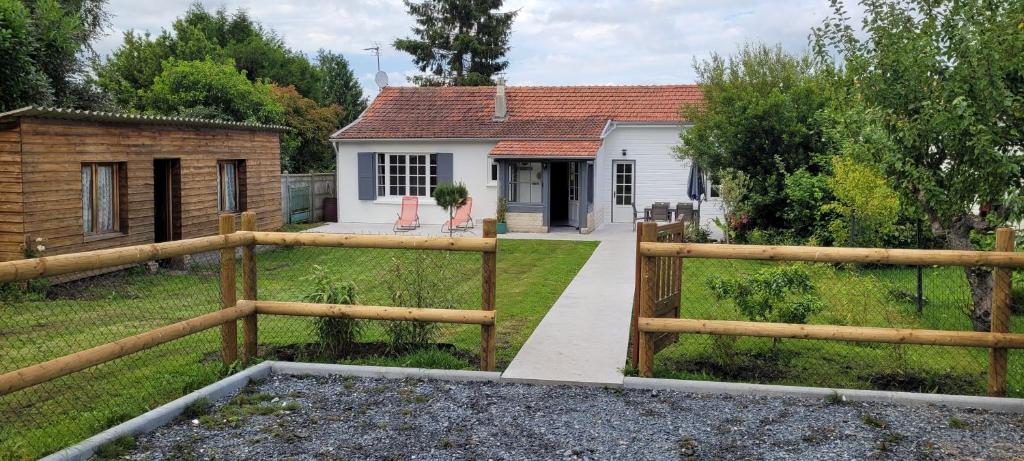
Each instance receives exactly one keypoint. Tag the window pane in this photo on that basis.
(105, 198)
(87, 198)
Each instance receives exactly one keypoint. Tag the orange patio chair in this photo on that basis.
(462, 220)
(409, 217)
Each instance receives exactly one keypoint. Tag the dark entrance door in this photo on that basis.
(166, 199)
(559, 200)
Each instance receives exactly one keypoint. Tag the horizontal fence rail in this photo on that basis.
(63, 366)
(350, 311)
(48, 266)
(396, 242)
(836, 333)
(835, 254)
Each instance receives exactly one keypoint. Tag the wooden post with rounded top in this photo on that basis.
(645, 343)
(249, 329)
(489, 277)
(229, 330)
(1001, 294)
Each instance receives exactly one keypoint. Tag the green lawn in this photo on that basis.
(855, 296)
(531, 276)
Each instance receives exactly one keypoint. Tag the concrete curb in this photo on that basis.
(1002, 404)
(161, 415)
(327, 369)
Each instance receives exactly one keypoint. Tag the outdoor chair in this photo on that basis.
(409, 215)
(659, 212)
(637, 216)
(684, 211)
(462, 220)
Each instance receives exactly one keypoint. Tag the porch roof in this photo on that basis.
(546, 149)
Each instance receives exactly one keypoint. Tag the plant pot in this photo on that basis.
(502, 228)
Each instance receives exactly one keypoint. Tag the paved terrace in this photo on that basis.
(584, 338)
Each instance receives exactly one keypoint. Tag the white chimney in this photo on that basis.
(500, 103)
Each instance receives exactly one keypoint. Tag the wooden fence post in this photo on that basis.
(249, 329)
(1001, 293)
(229, 330)
(645, 343)
(489, 277)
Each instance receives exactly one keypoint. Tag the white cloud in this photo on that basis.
(553, 43)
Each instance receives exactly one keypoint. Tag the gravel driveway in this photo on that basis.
(309, 418)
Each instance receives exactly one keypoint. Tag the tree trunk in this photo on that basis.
(978, 278)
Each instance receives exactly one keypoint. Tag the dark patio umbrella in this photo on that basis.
(696, 189)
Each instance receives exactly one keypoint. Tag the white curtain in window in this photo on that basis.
(87, 198)
(230, 187)
(105, 197)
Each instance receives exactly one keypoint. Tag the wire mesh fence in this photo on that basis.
(44, 319)
(371, 277)
(862, 295)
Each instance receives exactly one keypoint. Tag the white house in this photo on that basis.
(573, 156)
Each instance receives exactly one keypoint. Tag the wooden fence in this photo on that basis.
(249, 307)
(998, 340)
(302, 196)
(667, 286)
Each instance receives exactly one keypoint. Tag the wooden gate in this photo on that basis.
(668, 280)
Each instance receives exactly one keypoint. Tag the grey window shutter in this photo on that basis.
(445, 169)
(367, 168)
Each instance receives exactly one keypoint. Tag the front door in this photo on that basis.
(574, 194)
(623, 177)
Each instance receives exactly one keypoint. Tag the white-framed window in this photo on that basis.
(492, 173)
(102, 184)
(524, 182)
(230, 186)
(400, 175)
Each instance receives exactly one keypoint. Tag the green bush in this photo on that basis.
(334, 335)
(419, 280)
(776, 294)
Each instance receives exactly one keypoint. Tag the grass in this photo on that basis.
(854, 296)
(34, 422)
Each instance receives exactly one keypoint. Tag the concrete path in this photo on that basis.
(584, 338)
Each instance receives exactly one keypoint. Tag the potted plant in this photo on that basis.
(500, 215)
(451, 196)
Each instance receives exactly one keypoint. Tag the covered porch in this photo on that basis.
(549, 185)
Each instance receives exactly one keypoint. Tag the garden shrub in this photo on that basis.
(335, 336)
(419, 280)
(776, 294)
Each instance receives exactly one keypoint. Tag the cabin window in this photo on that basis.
(102, 186)
(524, 182)
(231, 186)
(399, 175)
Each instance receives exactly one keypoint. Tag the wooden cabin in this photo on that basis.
(82, 180)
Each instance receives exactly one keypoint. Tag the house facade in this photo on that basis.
(83, 180)
(574, 156)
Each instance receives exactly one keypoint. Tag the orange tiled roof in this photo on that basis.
(546, 148)
(538, 112)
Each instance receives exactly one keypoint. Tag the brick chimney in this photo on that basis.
(500, 103)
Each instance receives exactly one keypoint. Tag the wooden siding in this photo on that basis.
(12, 219)
(54, 150)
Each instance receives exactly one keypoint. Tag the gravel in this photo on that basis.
(387, 419)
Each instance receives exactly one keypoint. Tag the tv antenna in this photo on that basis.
(382, 77)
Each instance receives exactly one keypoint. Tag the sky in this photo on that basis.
(552, 43)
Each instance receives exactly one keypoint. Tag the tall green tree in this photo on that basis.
(45, 46)
(936, 101)
(458, 42)
(211, 90)
(758, 118)
(197, 36)
(306, 148)
(339, 86)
